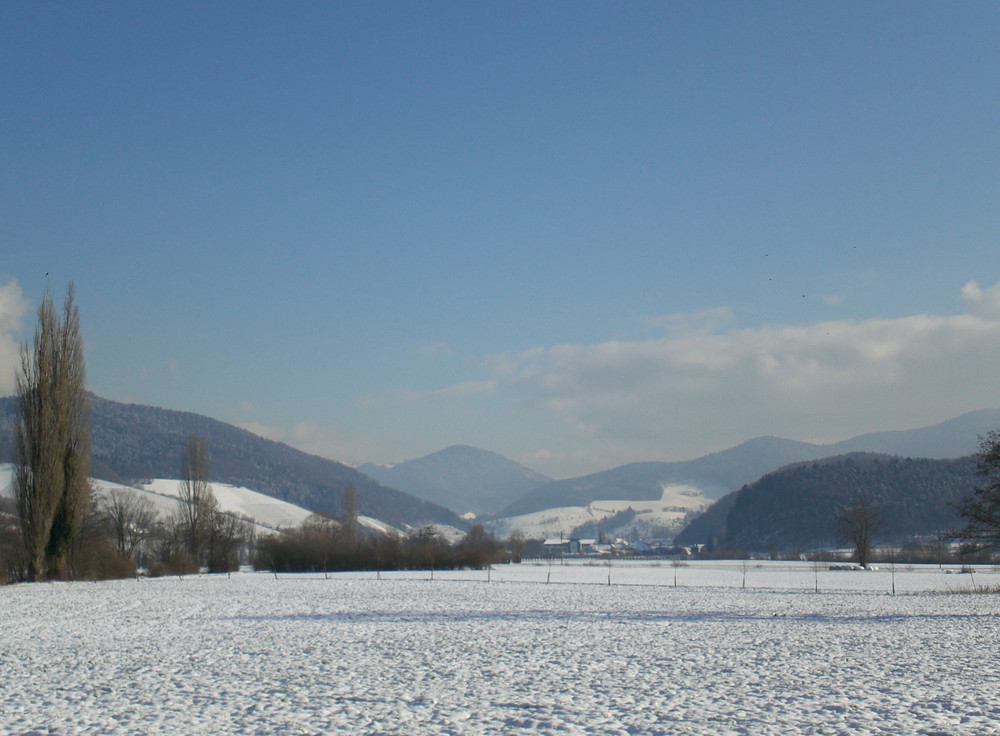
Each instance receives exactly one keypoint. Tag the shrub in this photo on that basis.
(99, 560)
(321, 546)
(177, 563)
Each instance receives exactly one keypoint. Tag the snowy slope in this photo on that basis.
(670, 510)
(263, 509)
(268, 513)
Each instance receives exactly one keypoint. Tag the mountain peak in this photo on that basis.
(460, 477)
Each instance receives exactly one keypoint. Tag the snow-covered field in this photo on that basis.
(473, 652)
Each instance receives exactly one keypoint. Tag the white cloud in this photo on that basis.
(13, 306)
(571, 409)
(689, 393)
(985, 304)
(538, 456)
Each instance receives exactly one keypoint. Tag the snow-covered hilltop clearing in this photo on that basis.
(264, 510)
(269, 514)
(663, 516)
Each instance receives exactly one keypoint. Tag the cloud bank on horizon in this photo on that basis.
(708, 385)
(703, 386)
(682, 395)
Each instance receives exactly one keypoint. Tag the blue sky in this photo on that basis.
(577, 234)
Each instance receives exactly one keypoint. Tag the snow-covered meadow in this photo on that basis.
(675, 504)
(477, 652)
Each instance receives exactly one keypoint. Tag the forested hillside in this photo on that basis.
(710, 527)
(796, 507)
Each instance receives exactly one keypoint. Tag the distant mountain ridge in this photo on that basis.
(722, 472)
(714, 474)
(953, 438)
(462, 478)
(133, 441)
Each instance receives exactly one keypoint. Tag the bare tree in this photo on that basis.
(516, 544)
(168, 549)
(981, 510)
(131, 518)
(229, 534)
(744, 558)
(52, 439)
(479, 548)
(197, 500)
(857, 526)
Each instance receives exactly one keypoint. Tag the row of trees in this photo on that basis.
(324, 544)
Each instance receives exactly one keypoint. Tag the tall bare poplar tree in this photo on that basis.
(197, 501)
(52, 438)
